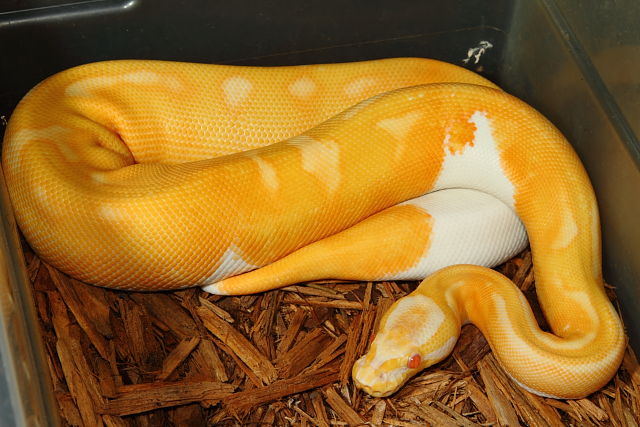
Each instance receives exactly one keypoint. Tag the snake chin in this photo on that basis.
(378, 382)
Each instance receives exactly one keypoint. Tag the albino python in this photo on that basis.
(149, 175)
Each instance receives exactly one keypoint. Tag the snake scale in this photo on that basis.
(150, 175)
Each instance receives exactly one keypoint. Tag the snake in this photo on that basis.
(155, 175)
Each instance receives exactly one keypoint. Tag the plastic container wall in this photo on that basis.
(579, 64)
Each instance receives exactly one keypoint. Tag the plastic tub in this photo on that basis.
(577, 62)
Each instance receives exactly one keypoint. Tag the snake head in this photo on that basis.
(382, 376)
(414, 334)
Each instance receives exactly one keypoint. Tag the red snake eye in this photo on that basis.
(414, 361)
(371, 338)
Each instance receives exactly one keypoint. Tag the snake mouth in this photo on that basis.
(380, 389)
(378, 383)
(373, 392)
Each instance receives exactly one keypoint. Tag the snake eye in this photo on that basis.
(414, 361)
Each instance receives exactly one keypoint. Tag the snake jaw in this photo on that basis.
(392, 359)
(379, 382)
(381, 373)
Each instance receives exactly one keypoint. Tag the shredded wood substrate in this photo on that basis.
(284, 357)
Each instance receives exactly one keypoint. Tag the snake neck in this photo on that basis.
(569, 364)
(426, 323)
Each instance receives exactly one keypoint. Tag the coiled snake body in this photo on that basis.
(155, 175)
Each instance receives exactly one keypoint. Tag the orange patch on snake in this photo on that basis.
(459, 134)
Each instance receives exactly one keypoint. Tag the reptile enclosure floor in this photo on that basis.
(278, 358)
